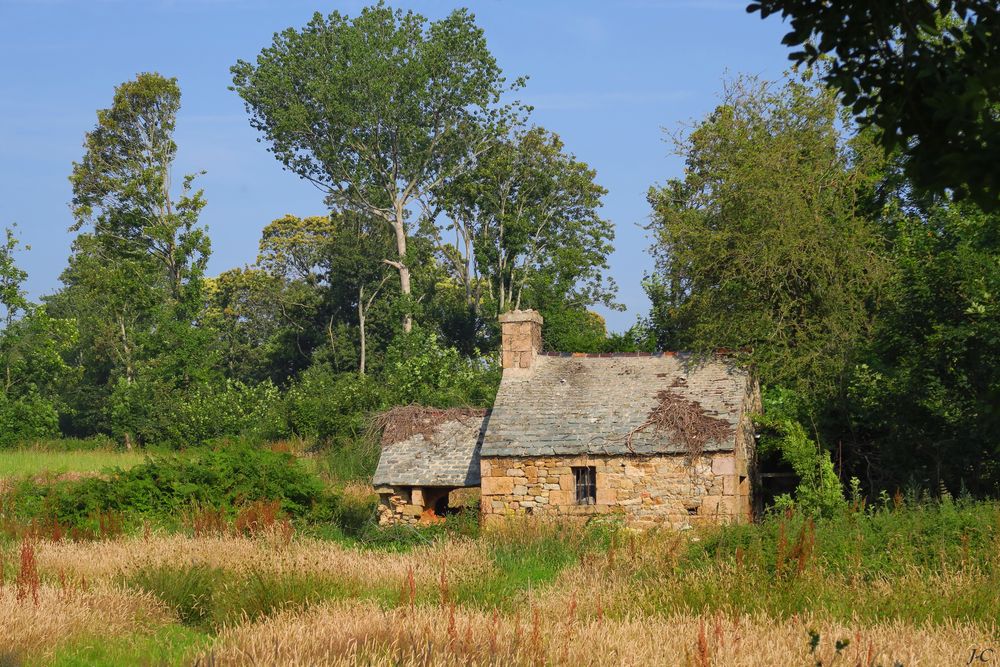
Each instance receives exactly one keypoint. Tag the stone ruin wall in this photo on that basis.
(410, 505)
(663, 489)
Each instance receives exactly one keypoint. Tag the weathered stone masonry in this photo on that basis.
(660, 489)
(656, 439)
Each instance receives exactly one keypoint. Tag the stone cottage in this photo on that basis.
(657, 439)
(429, 462)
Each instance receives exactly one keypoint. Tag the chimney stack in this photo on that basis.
(521, 334)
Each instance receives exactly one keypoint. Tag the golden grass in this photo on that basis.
(629, 604)
(349, 634)
(65, 612)
(463, 559)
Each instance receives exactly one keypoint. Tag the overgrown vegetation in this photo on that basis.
(201, 491)
(921, 566)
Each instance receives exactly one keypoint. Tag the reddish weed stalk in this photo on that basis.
(443, 585)
(703, 660)
(27, 578)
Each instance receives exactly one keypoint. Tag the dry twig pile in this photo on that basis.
(405, 421)
(684, 420)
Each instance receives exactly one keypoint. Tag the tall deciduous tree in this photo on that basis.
(377, 111)
(135, 278)
(122, 188)
(761, 246)
(526, 221)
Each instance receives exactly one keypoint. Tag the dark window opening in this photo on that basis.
(586, 485)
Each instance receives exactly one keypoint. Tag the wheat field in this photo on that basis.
(435, 605)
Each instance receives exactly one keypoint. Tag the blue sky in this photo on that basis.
(608, 77)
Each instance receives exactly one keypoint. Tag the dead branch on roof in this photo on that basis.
(405, 421)
(683, 420)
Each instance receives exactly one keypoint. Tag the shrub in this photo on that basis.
(164, 487)
(155, 413)
(419, 370)
(25, 418)
(331, 407)
(819, 491)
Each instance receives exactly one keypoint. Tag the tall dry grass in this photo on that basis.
(269, 553)
(36, 625)
(350, 634)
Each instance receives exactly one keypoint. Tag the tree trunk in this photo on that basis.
(404, 271)
(361, 327)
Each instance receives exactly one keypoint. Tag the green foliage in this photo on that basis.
(25, 418)
(418, 369)
(928, 393)
(528, 229)
(925, 73)
(164, 487)
(573, 330)
(326, 96)
(154, 412)
(331, 407)
(762, 247)
(883, 540)
(819, 491)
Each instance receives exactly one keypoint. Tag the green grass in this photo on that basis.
(22, 462)
(170, 645)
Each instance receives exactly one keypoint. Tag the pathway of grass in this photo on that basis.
(171, 645)
(20, 462)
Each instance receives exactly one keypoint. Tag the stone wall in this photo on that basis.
(663, 489)
(414, 505)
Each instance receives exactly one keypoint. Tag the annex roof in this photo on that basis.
(570, 404)
(441, 453)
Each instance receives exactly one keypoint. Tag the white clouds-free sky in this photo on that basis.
(608, 77)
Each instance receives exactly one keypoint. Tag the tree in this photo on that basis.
(135, 279)
(377, 111)
(527, 225)
(927, 395)
(122, 186)
(926, 73)
(32, 345)
(761, 248)
(337, 255)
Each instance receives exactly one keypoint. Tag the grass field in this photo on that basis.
(910, 582)
(523, 594)
(20, 462)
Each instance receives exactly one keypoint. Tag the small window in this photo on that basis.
(586, 485)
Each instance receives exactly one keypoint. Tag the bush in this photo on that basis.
(819, 491)
(155, 413)
(28, 417)
(419, 370)
(163, 488)
(331, 407)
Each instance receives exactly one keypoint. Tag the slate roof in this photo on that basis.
(449, 458)
(585, 404)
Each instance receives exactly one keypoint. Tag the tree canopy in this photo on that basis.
(378, 110)
(926, 73)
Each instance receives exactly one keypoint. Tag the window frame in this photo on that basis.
(584, 485)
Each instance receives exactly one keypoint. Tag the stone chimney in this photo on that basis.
(521, 333)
